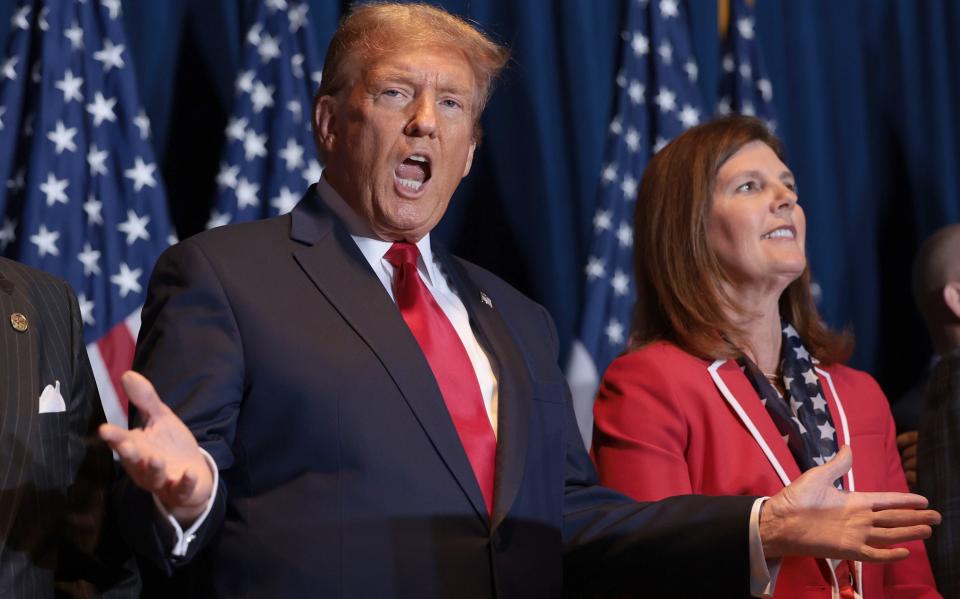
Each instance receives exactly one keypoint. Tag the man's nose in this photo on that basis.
(423, 121)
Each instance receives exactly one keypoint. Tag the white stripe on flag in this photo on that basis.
(133, 323)
(108, 395)
(583, 381)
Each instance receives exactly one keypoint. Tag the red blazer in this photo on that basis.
(668, 423)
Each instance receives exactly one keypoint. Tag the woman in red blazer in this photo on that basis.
(732, 385)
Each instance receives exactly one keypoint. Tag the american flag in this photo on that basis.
(657, 98)
(268, 159)
(744, 85)
(82, 199)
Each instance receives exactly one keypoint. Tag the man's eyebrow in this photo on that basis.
(400, 76)
(391, 75)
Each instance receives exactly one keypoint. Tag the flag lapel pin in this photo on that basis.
(486, 299)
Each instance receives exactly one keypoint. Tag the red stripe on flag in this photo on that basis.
(117, 347)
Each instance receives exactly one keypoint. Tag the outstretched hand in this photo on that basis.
(162, 457)
(811, 517)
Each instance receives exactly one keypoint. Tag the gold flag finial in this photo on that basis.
(723, 18)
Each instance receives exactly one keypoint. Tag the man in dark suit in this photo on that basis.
(55, 473)
(936, 286)
(377, 418)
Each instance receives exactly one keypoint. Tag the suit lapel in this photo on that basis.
(742, 398)
(338, 269)
(513, 386)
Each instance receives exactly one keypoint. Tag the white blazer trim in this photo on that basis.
(735, 404)
(843, 420)
(728, 395)
(846, 441)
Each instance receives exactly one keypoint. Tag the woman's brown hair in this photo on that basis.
(679, 295)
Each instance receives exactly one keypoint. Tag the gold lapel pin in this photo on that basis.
(19, 322)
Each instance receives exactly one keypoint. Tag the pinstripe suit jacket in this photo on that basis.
(938, 469)
(54, 472)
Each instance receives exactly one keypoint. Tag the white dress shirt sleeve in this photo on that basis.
(763, 571)
(183, 538)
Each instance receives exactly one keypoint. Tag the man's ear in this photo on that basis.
(951, 298)
(466, 167)
(324, 122)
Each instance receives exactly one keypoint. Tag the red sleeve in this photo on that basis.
(640, 432)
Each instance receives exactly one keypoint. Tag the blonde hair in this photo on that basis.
(373, 29)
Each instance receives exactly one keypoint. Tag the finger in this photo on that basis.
(908, 451)
(184, 488)
(129, 453)
(155, 473)
(878, 555)
(911, 478)
(887, 501)
(142, 394)
(910, 463)
(113, 434)
(894, 518)
(894, 536)
(838, 466)
(906, 439)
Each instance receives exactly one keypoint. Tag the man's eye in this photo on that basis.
(393, 93)
(450, 103)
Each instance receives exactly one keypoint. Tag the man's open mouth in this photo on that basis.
(413, 173)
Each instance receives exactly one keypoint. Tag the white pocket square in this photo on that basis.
(51, 400)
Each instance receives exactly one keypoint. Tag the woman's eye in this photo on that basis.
(748, 186)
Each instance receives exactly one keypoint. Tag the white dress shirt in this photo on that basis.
(374, 249)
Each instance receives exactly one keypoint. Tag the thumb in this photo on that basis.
(142, 394)
(839, 465)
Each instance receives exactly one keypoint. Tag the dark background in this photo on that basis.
(866, 93)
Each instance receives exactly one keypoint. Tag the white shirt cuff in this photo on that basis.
(763, 571)
(184, 538)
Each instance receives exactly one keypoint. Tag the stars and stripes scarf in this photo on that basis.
(800, 414)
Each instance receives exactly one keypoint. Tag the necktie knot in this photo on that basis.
(402, 252)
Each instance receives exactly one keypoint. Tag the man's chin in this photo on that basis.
(412, 234)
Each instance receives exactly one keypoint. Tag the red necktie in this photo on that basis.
(449, 362)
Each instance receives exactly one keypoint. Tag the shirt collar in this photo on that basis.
(372, 247)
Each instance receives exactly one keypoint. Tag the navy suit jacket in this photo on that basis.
(937, 475)
(341, 473)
